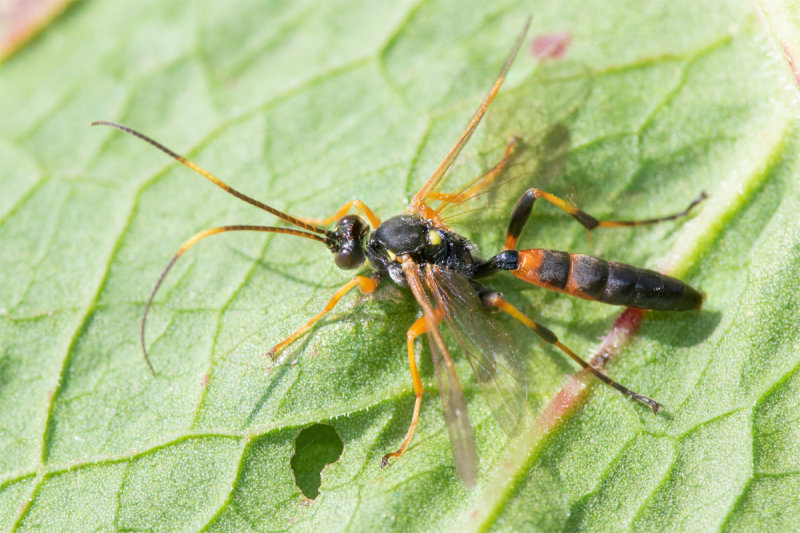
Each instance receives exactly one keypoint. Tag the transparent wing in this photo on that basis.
(489, 348)
(522, 142)
(454, 406)
(418, 201)
(534, 157)
(446, 297)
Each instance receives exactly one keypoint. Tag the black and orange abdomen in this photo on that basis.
(610, 282)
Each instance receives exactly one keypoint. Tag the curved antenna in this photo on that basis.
(199, 237)
(215, 180)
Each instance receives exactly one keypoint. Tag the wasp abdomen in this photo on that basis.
(610, 282)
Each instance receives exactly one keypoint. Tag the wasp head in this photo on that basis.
(348, 242)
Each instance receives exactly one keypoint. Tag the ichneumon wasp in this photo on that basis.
(418, 250)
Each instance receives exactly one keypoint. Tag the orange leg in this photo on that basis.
(497, 301)
(476, 186)
(374, 221)
(366, 285)
(417, 328)
(524, 206)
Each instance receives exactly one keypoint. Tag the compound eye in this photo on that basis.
(349, 259)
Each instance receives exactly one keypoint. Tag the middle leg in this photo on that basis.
(365, 284)
(417, 328)
(476, 186)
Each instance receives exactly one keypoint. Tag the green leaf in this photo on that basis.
(309, 105)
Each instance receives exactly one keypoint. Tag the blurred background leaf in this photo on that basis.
(308, 105)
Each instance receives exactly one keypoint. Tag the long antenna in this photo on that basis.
(199, 237)
(215, 180)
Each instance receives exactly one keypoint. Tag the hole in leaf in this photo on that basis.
(315, 447)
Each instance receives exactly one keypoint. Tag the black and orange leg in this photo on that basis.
(417, 328)
(365, 284)
(497, 301)
(374, 221)
(524, 206)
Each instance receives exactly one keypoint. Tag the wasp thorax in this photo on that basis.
(406, 236)
(403, 234)
(350, 232)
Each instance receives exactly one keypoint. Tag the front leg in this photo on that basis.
(365, 284)
(374, 221)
